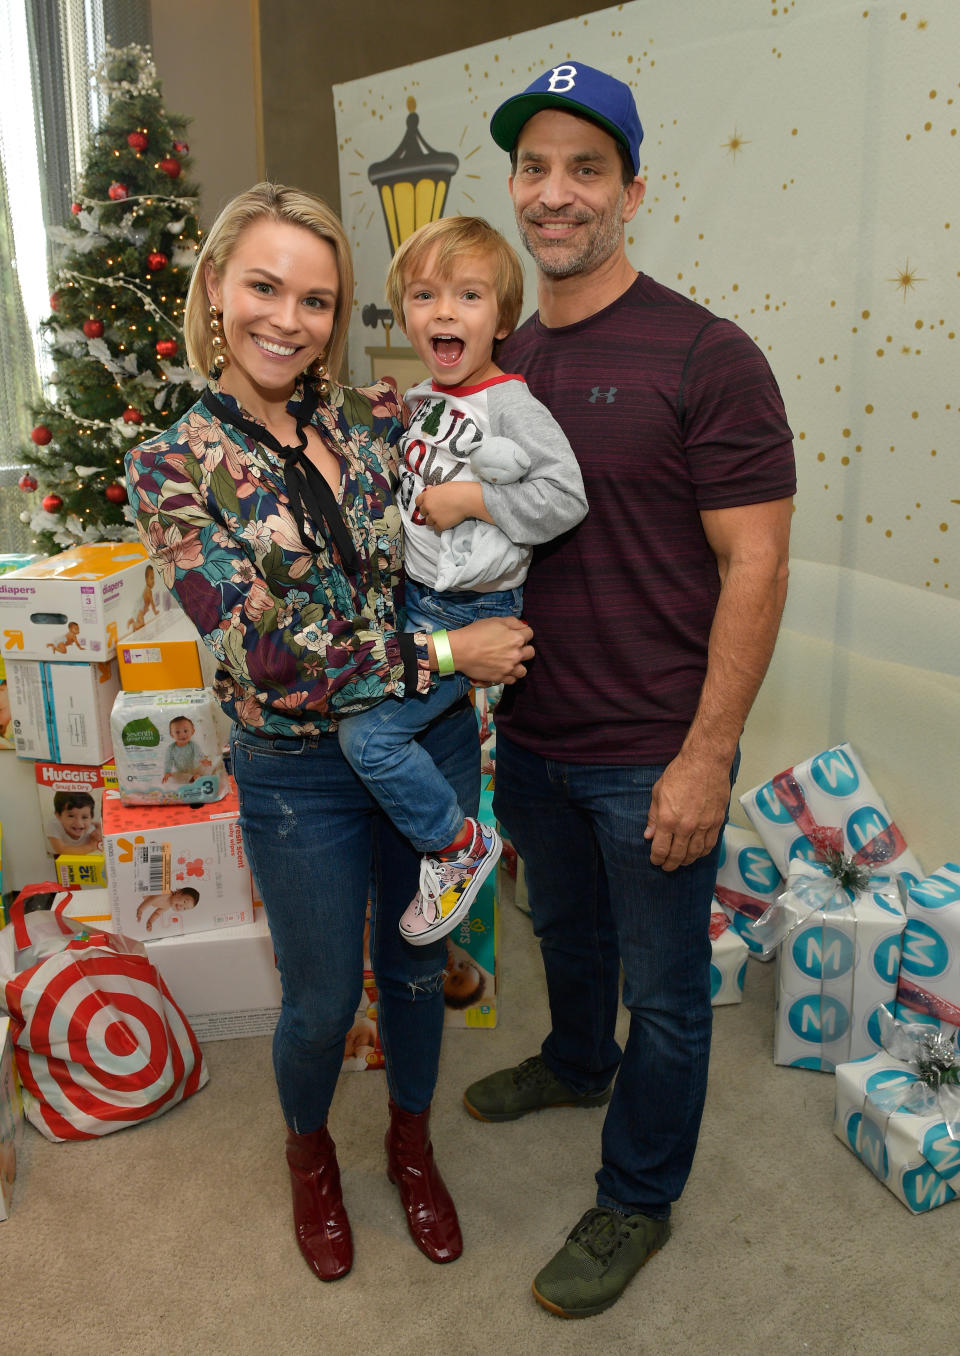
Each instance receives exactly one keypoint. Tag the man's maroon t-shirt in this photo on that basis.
(670, 410)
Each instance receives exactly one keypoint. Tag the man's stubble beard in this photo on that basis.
(592, 253)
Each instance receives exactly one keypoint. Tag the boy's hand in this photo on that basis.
(444, 506)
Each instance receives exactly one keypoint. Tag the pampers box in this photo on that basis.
(61, 711)
(78, 604)
(167, 747)
(175, 869)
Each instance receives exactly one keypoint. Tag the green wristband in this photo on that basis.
(441, 648)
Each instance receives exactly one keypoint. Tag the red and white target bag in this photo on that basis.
(99, 1042)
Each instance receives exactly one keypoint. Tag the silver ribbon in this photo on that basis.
(934, 1059)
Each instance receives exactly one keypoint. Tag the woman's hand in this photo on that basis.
(494, 650)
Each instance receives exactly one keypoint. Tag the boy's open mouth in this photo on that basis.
(447, 348)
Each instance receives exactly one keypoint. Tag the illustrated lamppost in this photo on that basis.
(412, 186)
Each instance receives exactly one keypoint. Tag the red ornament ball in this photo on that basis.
(181, 147)
(117, 192)
(116, 493)
(52, 503)
(93, 329)
(41, 435)
(75, 208)
(138, 141)
(166, 348)
(170, 166)
(156, 261)
(54, 301)
(27, 482)
(132, 416)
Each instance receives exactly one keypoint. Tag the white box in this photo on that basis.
(61, 712)
(225, 983)
(11, 1118)
(930, 969)
(748, 882)
(175, 869)
(77, 605)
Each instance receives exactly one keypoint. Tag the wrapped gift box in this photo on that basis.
(930, 969)
(77, 604)
(728, 961)
(163, 850)
(831, 798)
(911, 1154)
(833, 972)
(748, 882)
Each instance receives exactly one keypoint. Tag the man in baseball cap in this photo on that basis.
(654, 621)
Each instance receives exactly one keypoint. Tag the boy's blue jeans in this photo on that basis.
(313, 835)
(597, 900)
(380, 744)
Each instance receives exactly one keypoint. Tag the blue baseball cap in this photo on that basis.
(574, 88)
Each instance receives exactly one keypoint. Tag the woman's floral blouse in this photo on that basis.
(300, 636)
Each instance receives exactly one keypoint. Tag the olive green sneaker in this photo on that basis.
(600, 1258)
(530, 1086)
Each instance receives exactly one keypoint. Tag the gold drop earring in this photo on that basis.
(220, 358)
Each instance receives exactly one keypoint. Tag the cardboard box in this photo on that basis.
(362, 1050)
(61, 711)
(81, 873)
(6, 714)
(11, 1118)
(225, 983)
(70, 797)
(78, 604)
(160, 657)
(15, 560)
(175, 869)
(912, 1155)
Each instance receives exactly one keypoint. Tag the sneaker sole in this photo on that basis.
(441, 929)
(601, 1099)
(593, 1308)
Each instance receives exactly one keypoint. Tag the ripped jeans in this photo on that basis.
(318, 844)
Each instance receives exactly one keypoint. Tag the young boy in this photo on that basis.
(479, 449)
(74, 826)
(184, 761)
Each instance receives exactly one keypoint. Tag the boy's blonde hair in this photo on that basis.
(455, 237)
(277, 203)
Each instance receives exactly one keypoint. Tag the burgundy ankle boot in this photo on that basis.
(431, 1214)
(320, 1221)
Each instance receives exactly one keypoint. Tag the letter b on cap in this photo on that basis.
(562, 79)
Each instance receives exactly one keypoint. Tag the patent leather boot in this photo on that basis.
(319, 1219)
(431, 1214)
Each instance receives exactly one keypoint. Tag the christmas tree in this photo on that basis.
(120, 371)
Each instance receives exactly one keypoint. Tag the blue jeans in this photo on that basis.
(314, 837)
(381, 744)
(596, 900)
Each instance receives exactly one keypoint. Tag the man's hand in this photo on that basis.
(449, 504)
(687, 809)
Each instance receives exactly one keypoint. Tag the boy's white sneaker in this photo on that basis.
(448, 886)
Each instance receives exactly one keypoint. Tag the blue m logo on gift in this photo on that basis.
(865, 824)
(758, 870)
(823, 951)
(834, 773)
(818, 1018)
(924, 951)
(936, 891)
(925, 1189)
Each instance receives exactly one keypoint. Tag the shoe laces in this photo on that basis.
(533, 1072)
(600, 1233)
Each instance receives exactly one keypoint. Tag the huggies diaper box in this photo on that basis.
(174, 869)
(70, 797)
(167, 747)
(78, 604)
(61, 711)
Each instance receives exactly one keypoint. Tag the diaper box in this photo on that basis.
(225, 983)
(61, 711)
(175, 869)
(70, 797)
(6, 715)
(160, 657)
(77, 605)
(81, 873)
(167, 747)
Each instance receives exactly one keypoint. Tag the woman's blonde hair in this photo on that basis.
(455, 237)
(277, 203)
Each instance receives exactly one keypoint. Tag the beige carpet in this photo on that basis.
(175, 1237)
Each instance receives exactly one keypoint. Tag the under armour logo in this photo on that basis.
(607, 395)
(561, 79)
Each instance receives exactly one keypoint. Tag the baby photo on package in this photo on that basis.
(167, 749)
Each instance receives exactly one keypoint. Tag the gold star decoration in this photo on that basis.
(906, 280)
(735, 144)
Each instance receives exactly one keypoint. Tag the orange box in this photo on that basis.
(159, 658)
